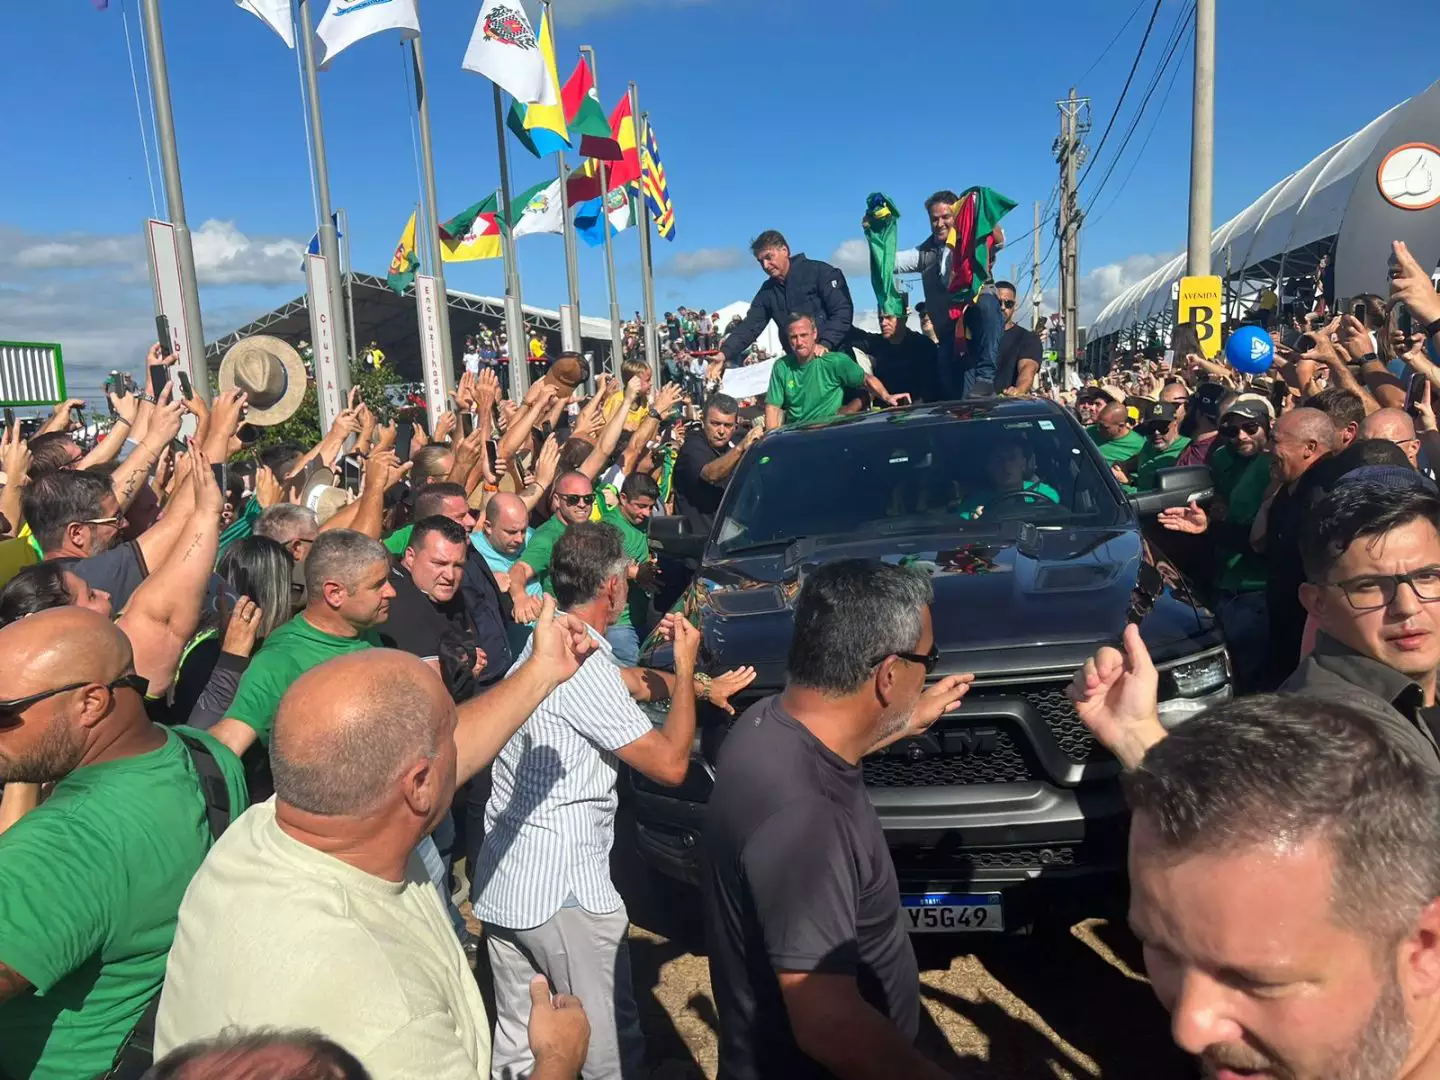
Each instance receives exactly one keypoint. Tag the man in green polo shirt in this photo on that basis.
(571, 500)
(633, 504)
(809, 383)
(1114, 434)
(1160, 426)
(1008, 481)
(92, 878)
(348, 590)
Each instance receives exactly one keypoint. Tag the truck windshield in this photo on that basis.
(917, 473)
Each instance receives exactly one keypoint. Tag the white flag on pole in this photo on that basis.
(503, 49)
(544, 213)
(347, 21)
(274, 14)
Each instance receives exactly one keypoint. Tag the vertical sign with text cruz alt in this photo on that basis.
(322, 336)
(1201, 301)
(427, 304)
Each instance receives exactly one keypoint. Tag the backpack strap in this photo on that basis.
(218, 811)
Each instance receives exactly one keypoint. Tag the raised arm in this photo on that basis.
(15, 460)
(165, 610)
(135, 469)
(108, 448)
(610, 437)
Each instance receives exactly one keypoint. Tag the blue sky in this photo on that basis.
(769, 115)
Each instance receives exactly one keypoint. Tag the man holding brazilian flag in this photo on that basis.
(956, 264)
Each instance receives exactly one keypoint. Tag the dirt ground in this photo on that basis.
(1054, 1005)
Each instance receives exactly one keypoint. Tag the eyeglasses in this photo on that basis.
(1376, 591)
(577, 500)
(1007, 303)
(103, 521)
(1249, 427)
(131, 682)
(927, 660)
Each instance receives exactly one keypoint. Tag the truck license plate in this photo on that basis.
(951, 913)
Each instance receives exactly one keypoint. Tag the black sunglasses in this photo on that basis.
(1249, 427)
(928, 660)
(577, 500)
(1007, 303)
(131, 682)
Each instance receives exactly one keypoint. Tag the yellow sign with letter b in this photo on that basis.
(1201, 302)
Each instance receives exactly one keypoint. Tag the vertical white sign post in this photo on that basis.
(432, 356)
(322, 342)
(170, 302)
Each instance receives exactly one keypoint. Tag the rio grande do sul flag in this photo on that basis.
(472, 234)
(503, 48)
(405, 261)
(349, 21)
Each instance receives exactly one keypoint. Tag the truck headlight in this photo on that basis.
(1192, 686)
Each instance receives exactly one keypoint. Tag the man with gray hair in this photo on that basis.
(812, 970)
(348, 592)
(542, 883)
(317, 912)
(293, 527)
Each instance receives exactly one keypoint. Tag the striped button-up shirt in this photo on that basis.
(550, 821)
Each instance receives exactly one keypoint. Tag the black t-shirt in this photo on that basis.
(1284, 572)
(1016, 344)
(905, 367)
(797, 878)
(432, 631)
(697, 499)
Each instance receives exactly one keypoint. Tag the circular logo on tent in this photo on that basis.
(1409, 176)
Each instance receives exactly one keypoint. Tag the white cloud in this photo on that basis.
(574, 12)
(691, 264)
(1104, 283)
(853, 256)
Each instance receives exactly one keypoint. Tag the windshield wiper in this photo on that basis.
(764, 545)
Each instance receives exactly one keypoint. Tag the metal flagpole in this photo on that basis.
(329, 242)
(349, 285)
(647, 285)
(514, 314)
(572, 258)
(194, 344)
(432, 212)
(617, 344)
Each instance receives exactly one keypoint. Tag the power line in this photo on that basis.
(1145, 101)
(1106, 51)
(1140, 155)
(1134, 66)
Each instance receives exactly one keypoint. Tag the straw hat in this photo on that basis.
(272, 375)
(320, 494)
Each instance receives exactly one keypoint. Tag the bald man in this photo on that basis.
(1114, 434)
(314, 910)
(91, 880)
(1396, 426)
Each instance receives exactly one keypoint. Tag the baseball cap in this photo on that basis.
(1159, 414)
(1205, 401)
(1252, 407)
(1091, 393)
(1390, 477)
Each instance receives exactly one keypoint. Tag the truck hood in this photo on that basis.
(1022, 602)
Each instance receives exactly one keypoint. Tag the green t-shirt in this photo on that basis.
(1117, 451)
(1150, 461)
(1241, 482)
(539, 548)
(813, 390)
(399, 540)
(90, 886)
(637, 547)
(288, 653)
(978, 500)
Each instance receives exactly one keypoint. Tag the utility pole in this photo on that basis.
(1035, 272)
(192, 357)
(1074, 122)
(1202, 142)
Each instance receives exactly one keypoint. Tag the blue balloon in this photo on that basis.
(1251, 350)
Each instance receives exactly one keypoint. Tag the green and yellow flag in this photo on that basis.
(472, 234)
(881, 224)
(405, 261)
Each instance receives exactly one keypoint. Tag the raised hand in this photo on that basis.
(1354, 337)
(445, 425)
(487, 389)
(165, 421)
(267, 487)
(1116, 696)
(547, 463)
(1410, 283)
(388, 434)
(560, 643)
(686, 646)
(15, 457)
(527, 609)
(724, 687)
(667, 398)
(243, 628)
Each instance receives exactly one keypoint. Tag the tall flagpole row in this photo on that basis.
(514, 314)
(647, 285)
(617, 343)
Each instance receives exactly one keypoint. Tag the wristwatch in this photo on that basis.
(655, 414)
(1368, 358)
(1433, 328)
(703, 682)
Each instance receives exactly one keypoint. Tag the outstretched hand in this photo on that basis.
(1116, 696)
(943, 697)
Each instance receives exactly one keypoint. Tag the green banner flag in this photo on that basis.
(881, 224)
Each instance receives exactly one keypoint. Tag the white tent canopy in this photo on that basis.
(1305, 208)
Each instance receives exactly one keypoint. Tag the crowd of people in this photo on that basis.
(253, 750)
